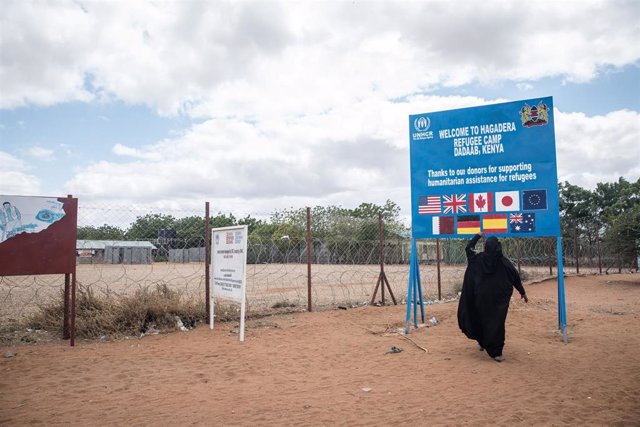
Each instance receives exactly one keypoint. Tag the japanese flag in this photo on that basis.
(507, 201)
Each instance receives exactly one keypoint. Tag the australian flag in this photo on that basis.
(526, 225)
(534, 200)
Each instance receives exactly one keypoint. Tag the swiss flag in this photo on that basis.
(480, 202)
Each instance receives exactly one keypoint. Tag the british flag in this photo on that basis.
(455, 203)
(515, 218)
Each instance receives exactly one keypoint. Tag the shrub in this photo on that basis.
(457, 287)
(112, 314)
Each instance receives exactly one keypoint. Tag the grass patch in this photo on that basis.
(457, 287)
(152, 307)
(283, 304)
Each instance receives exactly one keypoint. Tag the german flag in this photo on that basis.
(494, 223)
(468, 224)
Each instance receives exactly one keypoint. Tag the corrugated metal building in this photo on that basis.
(187, 255)
(114, 252)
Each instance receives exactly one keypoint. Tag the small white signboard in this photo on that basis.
(229, 268)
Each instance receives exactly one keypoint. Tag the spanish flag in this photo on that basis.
(494, 223)
(468, 224)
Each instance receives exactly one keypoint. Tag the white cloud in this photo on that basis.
(146, 154)
(226, 58)
(345, 156)
(354, 153)
(305, 103)
(14, 176)
(41, 153)
(598, 148)
(43, 53)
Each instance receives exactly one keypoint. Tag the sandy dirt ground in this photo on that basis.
(334, 368)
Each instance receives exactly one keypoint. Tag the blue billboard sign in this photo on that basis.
(490, 168)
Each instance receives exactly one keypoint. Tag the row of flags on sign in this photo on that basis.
(518, 222)
(499, 201)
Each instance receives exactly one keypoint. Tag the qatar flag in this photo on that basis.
(507, 201)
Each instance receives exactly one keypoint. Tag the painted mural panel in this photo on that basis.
(37, 235)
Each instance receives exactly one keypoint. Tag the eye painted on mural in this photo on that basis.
(45, 215)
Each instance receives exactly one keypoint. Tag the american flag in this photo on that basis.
(515, 218)
(429, 205)
(455, 203)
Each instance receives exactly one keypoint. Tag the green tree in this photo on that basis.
(577, 209)
(190, 230)
(146, 227)
(287, 236)
(616, 199)
(104, 232)
(222, 220)
(263, 232)
(390, 212)
(619, 204)
(251, 223)
(610, 212)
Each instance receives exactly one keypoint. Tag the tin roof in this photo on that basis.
(101, 244)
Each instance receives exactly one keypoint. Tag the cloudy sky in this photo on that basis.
(256, 106)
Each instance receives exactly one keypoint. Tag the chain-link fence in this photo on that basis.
(134, 253)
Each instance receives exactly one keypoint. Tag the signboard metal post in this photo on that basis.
(414, 295)
(207, 258)
(562, 311)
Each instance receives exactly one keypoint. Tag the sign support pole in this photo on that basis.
(414, 293)
(410, 290)
(418, 291)
(207, 258)
(211, 305)
(562, 310)
(243, 302)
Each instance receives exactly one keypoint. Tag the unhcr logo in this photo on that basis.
(421, 126)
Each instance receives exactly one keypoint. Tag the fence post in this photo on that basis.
(72, 326)
(308, 258)
(518, 255)
(550, 242)
(207, 261)
(67, 297)
(68, 317)
(382, 278)
(438, 268)
(381, 238)
(619, 262)
(72, 323)
(575, 247)
(598, 248)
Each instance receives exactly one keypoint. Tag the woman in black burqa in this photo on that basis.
(486, 291)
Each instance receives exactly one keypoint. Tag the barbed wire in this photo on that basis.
(123, 251)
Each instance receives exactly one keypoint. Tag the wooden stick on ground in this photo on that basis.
(414, 343)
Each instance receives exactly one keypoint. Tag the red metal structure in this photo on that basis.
(50, 251)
